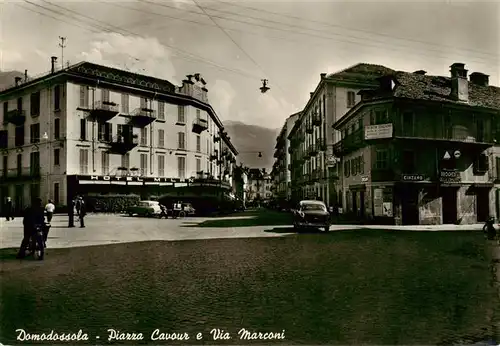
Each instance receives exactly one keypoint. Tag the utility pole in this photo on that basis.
(62, 45)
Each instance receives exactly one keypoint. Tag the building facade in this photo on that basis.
(422, 150)
(314, 166)
(281, 173)
(94, 129)
(260, 185)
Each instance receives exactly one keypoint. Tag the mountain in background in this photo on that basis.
(7, 78)
(249, 140)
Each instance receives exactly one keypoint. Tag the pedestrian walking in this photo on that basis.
(49, 210)
(81, 210)
(33, 218)
(9, 209)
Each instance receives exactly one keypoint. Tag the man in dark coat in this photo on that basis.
(9, 209)
(34, 216)
(81, 210)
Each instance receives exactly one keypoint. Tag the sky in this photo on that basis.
(235, 44)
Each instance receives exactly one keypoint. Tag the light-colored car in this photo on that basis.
(311, 214)
(145, 208)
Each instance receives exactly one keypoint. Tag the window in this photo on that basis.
(19, 136)
(5, 109)
(104, 95)
(83, 129)
(447, 126)
(35, 104)
(84, 161)
(408, 124)
(57, 157)
(104, 133)
(351, 99)
(198, 165)
(381, 159)
(143, 103)
(144, 136)
(57, 97)
(34, 162)
(480, 137)
(180, 116)
(481, 164)
(57, 194)
(19, 163)
(161, 165)
(105, 163)
(20, 104)
(362, 164)
(181, 167)
(144, 164)
(198, 143)
(161, 138)
(161, 110)
(198, 114)
(57, 128)
(35, 133)
(4, 139)
(181, 143)
(125, 103)
(347, 168)
(126, 161)
(5, 164)
(408, 161)
(84, 96)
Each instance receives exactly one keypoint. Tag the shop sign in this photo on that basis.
(364, 178)
(450, 177)
(412, 177)
(105, 178)
(378, 131)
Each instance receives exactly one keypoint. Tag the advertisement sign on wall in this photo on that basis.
(378, 131)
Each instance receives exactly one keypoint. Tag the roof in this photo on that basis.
(307, 201)
(438, 88)
(413, 86)
(362, 71)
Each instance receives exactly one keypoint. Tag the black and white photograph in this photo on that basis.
(249, 172)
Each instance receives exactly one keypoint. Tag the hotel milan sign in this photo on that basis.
(109, 178)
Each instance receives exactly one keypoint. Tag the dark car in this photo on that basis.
(311, 214)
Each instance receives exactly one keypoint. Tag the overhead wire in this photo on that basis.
(238, 45)
(186, 55)
(309, 35)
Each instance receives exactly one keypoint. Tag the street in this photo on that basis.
(245, 275)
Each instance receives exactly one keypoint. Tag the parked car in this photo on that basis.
(188, 209)
(311, 214)
(145, 208)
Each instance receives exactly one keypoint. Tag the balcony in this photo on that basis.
(213, 157)
(142, 117)
(309, 127)
(104, 111)
(21, 173)
(316, 119)
(200, 125)
(313, 149)
(15, 116)
(350, 143)
(216, 139)
(123, 144)
(383, 174)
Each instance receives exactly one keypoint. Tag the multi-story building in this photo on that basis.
(94, 129)
(281, 172)
(314, 168)
(421, 149)
(259, 185)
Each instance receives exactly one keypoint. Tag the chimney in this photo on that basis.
(17, 80)
(323, 75)
(420, 72)
(25, 75)
(479, 78)
(311, 94)
(53, 60)
(459, 83)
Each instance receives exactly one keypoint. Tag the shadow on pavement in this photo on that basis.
(252, 218)
(9, 254)
(293, 230)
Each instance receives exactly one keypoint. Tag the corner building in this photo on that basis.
(91, 129)
(422, 149)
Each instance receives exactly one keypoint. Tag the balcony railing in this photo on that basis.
(216, 139)
(121, 144)
(350, 143)
(200, 125)
(21, 173)
(104, 110)
(142, 117)
(15, 116)
(316, 119)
